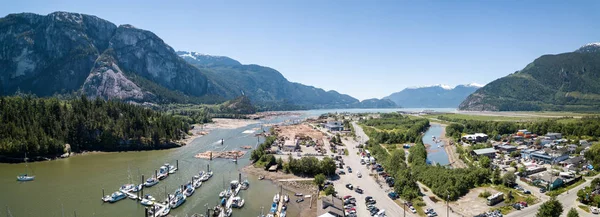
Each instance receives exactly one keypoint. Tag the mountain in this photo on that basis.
(63, 53)
(435, 96)
(568, 81)
(264, 85)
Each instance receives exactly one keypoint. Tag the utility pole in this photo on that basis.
(447, 206)
(405, 209)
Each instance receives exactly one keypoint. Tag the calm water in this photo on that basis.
(74, 185)
(437, 154)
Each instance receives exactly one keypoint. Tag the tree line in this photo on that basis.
(395, 128)
(42, 126)
(586, 126)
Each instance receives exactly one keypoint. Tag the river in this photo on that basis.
(74, 185)
(436, 153)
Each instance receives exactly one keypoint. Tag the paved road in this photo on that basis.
(567, 200)
(367, 183)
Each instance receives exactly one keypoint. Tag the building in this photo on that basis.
(554, 136)
(489, 152)
(550, 156)
(291, 146)
(334, 125)
(477, 137)
(526, 154)
(576, 162)
(332, 206)
(506, 148)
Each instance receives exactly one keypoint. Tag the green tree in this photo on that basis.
(484, 162)
(513, 164)
(522, 171)
(327, 166)
(319, 180)
(496, 179)
(329, 190)
(572, 213)
(509, 179)
(279, 163)
(550, 208)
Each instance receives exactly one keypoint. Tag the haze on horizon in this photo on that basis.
(364, 49)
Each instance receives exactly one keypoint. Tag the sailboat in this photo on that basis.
(25, 177)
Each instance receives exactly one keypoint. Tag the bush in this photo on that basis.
(485, 194)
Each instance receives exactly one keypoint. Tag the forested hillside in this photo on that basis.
(42, 126)
(568, 81)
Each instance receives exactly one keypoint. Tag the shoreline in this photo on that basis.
(453, 158)
(198, 131)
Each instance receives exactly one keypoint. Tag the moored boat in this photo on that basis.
(286, 198)
(114, 197)
(238, 202)
(163, 172)
(178, 200)
(245, 185)
(127, 187)
(276, 198)
(151, 182)
(25, 177)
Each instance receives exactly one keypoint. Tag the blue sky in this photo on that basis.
(362, 48)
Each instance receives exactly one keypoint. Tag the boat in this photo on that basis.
(206, 176)
(223, 201)
(284, 207)
(163, 172)
(189, 190)
(151, 182)
(273, 208)
(147, 200)
(171, 169)
(228, 212)
(270, 215)
(283, 214)
(24, 177)
(197, 183)
(245, 185)
(235, 187)
(165, 211)
(261, 177)
(298, 194)
(222, 194)
(137, 188)
(238, 202)
(178, 200)
(133, 197)
(276, 198)
(127, 187)
(234, 160)
(286, 198)
(114, 197)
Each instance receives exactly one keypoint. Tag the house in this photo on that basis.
(334, 125)
(332, 206)
(506, 148)
(583, 142)
(291, 146)
(489, 152)
(550, 156)
(575, 161)
(477, 137)
(526, 154)
(572, 148)
(553, 136)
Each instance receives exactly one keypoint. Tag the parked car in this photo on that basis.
(542, 190)
(368, 198)
(393, 195)
(359, 175)
(526, 192)
(358, 190)
(349, 186)
(412, 209)
(299, 200)
(349, 170)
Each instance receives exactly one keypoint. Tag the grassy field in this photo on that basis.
(488, 117)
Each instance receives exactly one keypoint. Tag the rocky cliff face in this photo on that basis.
(61, 53)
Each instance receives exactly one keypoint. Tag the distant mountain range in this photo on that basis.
(63, 53)
(568, 81)
(435, 96)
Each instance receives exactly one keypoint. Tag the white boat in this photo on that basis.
(114, 197)
(286, 198)
(276, 198)
(238, 202)
(197, 183)
(245, 185)
(25, 177)
(163, 172)
(127, 187)
(151, 182)
(222, 194)
(171, 168)
(137, 188)
(133, 197)
(189, 190)
(228, 212)
(166, 211)
(177, 201)
(147, 202)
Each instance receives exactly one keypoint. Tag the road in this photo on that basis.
(367, 182)
(567, 200)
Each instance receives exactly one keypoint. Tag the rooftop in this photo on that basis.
(484, 151)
